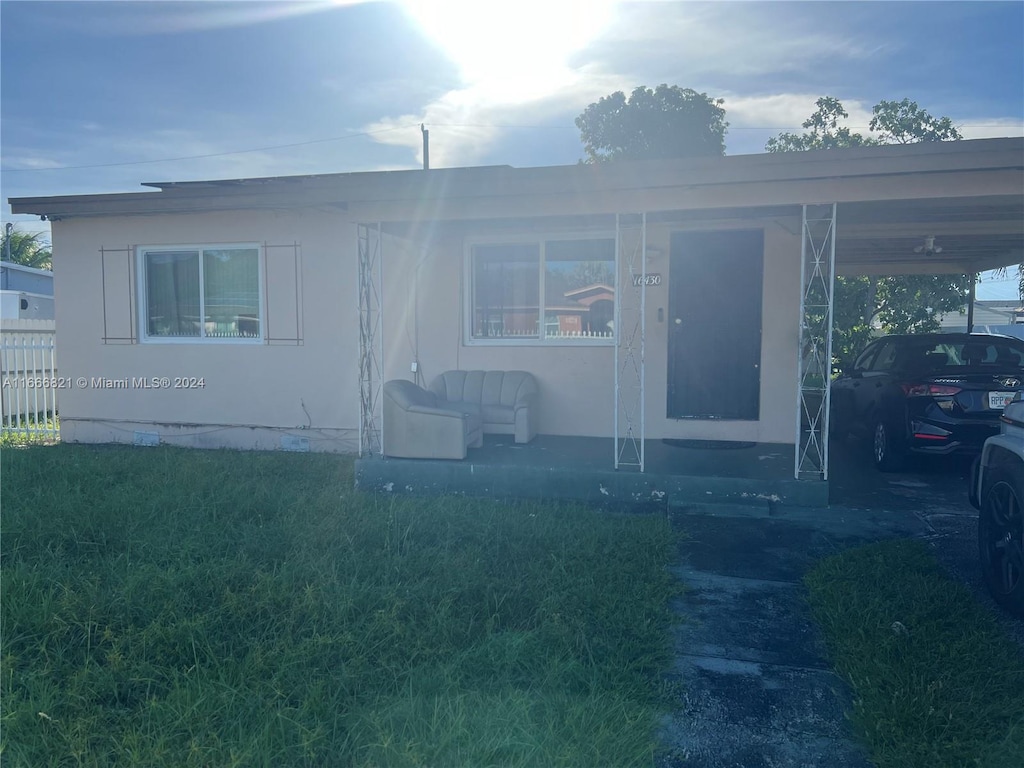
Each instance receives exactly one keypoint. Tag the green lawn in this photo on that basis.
(216, 608)
(936, 682)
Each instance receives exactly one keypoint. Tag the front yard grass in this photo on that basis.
(199, 608)
(936, 682)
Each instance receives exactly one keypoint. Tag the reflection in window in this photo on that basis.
(579, 288)
(172, 293)
(575, 277)
(505, 290)
(202, 293)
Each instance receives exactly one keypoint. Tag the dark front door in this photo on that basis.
(714, 339)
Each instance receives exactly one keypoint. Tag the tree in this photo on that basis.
(667, 122)
(903, 122)
(825, 131)
(899, 303)
(30, 250)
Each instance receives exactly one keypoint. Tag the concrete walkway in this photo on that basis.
(755, 688)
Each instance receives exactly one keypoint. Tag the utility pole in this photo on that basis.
(426, 147)
(8, 228)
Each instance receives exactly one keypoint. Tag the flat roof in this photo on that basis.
(473, 182)
(969, 194)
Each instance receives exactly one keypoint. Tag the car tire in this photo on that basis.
(885, 447)
(1001, 536)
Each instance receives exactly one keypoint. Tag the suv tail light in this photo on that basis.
(929, 390)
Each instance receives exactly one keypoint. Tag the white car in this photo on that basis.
(997, 491)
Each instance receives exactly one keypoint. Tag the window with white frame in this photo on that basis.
(552, 290)
(201, 293)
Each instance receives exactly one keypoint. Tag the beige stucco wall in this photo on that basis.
(309, 390)
(255, 393)
(425, 305)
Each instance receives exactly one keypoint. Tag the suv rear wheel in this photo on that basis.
(1001, 536)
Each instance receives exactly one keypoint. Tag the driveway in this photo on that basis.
(932, 488)
(755, 687)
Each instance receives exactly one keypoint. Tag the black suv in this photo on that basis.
(927, 393)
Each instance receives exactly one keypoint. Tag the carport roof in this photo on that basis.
(969, 195)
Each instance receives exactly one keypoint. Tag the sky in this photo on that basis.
(100, 97)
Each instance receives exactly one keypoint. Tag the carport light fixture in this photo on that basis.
(929, 248)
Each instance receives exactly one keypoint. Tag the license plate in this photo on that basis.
(998, 400)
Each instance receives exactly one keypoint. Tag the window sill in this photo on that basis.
(520, 342)
(198, 341)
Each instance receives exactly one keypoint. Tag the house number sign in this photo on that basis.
(651, 278)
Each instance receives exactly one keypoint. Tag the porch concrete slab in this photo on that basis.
(583, 468)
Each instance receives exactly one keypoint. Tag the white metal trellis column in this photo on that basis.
(814, 362)
(371, 339)
(630, 331)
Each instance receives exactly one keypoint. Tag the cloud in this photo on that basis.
(120, 158)
(695, 45)
(700, 43)
(19, 162)
(471, 120)
(991, 127)
(131, 19)
(787, 111)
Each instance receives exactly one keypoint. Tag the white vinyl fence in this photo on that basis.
(28, 378)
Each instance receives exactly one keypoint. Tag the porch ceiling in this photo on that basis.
(974, 233)
(873, 237)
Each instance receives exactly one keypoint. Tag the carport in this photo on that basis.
(980, 229)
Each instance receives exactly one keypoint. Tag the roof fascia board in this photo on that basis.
(580, 181)
(1006, 183)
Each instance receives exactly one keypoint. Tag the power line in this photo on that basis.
(203, 157)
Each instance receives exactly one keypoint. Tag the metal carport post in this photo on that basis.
(371, 339)
(814, 354)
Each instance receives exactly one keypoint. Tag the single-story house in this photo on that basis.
(26, 293)
(685, 299)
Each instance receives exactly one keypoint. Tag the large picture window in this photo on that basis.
(199, 293)
(555, 291)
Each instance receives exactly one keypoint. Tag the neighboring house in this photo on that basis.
(990, 316)
(26, 348)
(987, 312)
(26, 293)
(666, 299)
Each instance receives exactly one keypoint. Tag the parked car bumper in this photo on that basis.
(932, 433)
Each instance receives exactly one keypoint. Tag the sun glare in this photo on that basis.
(515, 51)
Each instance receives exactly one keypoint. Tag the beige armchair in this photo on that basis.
(415, 427)
(505, 401)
